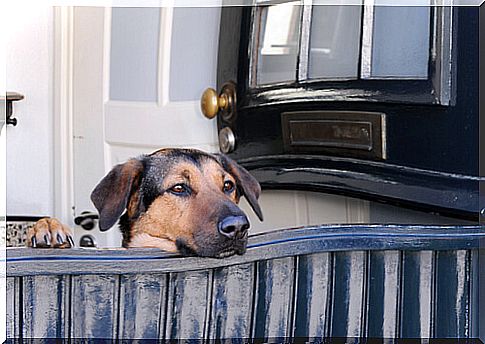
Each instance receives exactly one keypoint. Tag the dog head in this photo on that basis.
(183, 196)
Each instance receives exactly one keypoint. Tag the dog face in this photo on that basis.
(181, 200)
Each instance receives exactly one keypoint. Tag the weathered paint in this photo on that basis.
(452, 286)
(272, 245)
(274, 298)
(417, 294)
(188, 305)
(142, 305)
(312, 313)
(94, 304)
(13, 307)
(383, 288)
(271, 293)
(349, 275)
(44, 306)
(233, 286)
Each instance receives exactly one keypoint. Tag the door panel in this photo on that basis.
(134, 54)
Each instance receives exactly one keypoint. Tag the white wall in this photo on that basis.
(29, 145)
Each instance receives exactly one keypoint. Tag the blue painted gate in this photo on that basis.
(319, 282)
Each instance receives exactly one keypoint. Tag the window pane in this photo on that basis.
(277, 50)
(134, 54)
(334, 42)
(400, 42)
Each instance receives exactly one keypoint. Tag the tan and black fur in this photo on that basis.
(178, 200)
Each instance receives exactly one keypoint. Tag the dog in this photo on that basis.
(178, 200)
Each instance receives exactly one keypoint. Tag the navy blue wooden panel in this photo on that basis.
(142, 305)
(232, 298)
(417, 294)
(452, 291)
(348, 317)
(94, 304)
(188, 305)
(12, 307)
(312, 313)
(274, 298)
(45, 306)
(383, 290)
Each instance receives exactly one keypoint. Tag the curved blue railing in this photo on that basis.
(276, 244)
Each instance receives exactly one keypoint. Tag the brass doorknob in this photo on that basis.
(212, 103)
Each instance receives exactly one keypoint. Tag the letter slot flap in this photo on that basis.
(344, 133)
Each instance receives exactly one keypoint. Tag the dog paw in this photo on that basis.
(49, 233)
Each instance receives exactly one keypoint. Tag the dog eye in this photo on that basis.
(180, 189)
(228, 186)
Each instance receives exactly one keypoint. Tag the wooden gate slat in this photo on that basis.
(232, 299)
(142, 306)
(94, 306)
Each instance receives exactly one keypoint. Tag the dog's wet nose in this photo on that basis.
(233, 226)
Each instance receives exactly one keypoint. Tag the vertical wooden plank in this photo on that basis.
(474, 317)
(383, 290)
(417, 294)
(452, 294)
(312, 295)
(188, 303)
(348, 294)
(44, 306)
(274, 298)
(142, 300)
(94, 305)
(13, 306)
(232, 299)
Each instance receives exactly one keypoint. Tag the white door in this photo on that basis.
(137, 77)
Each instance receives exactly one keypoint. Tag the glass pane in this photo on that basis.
(135, 36)
(335, 42)
(400, 42)
(277, 43)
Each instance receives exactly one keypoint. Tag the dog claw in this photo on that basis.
(60, 241)
(48, 233)
(70, 240)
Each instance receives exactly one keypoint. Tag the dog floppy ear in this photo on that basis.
(247, 185)
(112, 194)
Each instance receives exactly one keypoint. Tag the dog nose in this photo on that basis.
(233, 226)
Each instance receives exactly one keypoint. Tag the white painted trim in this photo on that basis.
(63, 108)
(106, 52)
(106, 81)
(306, 24)
(367, 39)
(164, 54)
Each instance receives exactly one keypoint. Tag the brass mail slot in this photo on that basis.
(346, 133)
